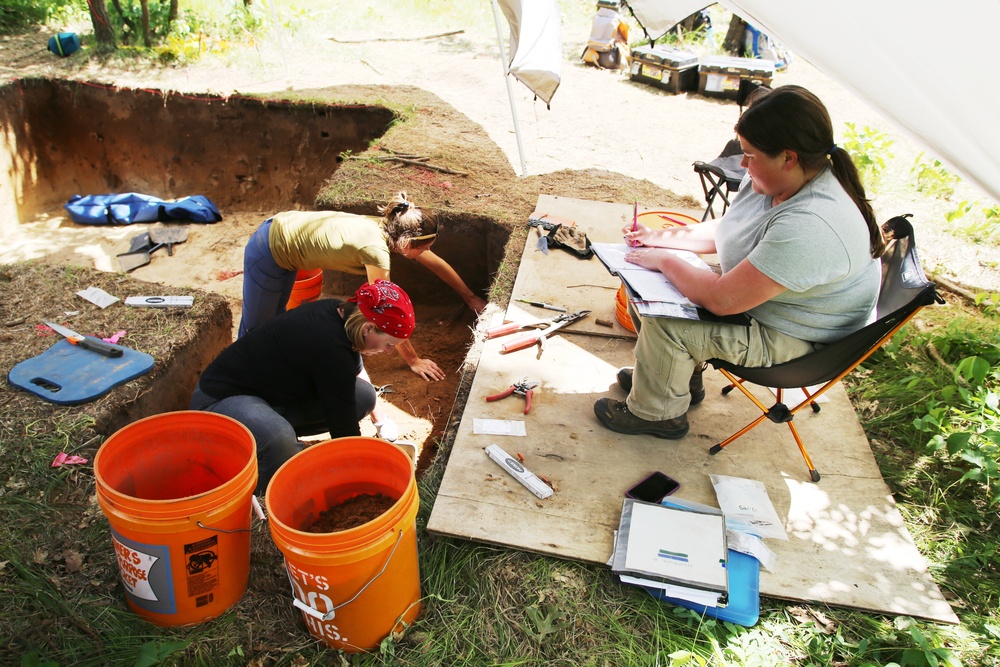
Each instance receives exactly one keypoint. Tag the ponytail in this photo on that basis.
(847, 174)
(406, 225)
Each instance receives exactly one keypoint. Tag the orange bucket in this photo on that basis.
(621, 309)
(355, 586)
(177, 489)
(308, 285)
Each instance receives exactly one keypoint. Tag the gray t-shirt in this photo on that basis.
(816, 245)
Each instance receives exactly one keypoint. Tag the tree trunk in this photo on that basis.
(126, 20)
(103, 32)
(146, 40)
(733, 44)
(172, 15)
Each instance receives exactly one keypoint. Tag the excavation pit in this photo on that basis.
(252, 158)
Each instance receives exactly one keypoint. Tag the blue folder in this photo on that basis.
(744, 583)
(744, 593)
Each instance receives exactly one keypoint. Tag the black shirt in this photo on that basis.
(303, 355)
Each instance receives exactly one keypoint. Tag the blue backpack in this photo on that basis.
(129, 207)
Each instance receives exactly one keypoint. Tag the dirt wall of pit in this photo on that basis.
(62, 138)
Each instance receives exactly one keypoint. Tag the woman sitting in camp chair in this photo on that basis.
(798, 248)
(296, 241)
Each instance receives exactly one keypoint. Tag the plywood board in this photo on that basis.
(847, 542)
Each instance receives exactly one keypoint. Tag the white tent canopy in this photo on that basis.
(925, 65)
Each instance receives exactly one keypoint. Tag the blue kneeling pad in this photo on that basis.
(69, 375)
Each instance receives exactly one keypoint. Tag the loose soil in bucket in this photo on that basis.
(352, 513)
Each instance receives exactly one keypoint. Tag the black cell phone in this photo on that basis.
(654, 488)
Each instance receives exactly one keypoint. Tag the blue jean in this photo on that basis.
(277, 429)
(266, 286)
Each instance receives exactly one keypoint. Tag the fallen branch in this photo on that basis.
(405, 160)
(395, 39)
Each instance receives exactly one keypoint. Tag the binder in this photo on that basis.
(681, 552)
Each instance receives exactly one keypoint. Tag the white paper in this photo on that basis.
(676, 544)
(747, 499)
(498, 427)
(97, 296)
(751, 545)
(704, 598)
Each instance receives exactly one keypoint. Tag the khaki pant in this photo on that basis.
(668, 350)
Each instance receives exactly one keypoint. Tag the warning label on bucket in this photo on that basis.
(202, 565)
(145, 571)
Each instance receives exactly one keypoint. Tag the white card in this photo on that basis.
(97, 296)
(498, 427)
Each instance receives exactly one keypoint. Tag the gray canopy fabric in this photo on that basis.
(926, 65)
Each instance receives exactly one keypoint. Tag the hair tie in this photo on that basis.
(832, 150)
(422, 238)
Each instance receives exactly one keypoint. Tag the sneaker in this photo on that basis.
(615, 415)
(696, 386)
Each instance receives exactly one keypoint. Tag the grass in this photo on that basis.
(494, 606)
(63, 603)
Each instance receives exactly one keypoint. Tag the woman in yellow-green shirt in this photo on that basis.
(296, 241)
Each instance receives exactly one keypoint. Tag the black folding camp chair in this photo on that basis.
(904, 291)
(721, 176)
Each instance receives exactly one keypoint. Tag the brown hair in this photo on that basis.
(792, 118)
(406, 225)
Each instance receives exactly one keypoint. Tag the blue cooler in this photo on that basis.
(64, 43)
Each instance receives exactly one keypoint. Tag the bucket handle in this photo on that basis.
(330, 615)
(254, 503)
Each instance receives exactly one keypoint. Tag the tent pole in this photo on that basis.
(510, 90)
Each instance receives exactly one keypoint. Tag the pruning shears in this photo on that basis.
(523, 387)
(546, 327)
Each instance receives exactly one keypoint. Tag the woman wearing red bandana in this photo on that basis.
(337, 241)
(302, 373)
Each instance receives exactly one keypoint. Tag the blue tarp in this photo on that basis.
(129, 207)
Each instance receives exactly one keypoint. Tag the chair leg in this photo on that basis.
(718, 448)
(777, 413)
(802, 450)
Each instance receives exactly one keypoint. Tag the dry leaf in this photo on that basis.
(74, 561)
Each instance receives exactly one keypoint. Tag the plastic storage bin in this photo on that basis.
(673, 70)
(719, 76)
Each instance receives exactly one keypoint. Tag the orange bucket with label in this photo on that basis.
(308, 285)
(356, 586)
(177, 490)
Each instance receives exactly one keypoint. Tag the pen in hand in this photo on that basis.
(635, 221)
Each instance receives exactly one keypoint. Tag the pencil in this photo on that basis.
(635, 219)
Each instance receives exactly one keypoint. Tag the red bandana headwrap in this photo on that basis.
(388, 306)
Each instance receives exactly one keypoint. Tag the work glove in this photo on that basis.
(387, 430)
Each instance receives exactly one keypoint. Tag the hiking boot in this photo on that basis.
(696, 386)
(615, 415)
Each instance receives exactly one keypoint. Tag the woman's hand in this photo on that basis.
(641, 236)
(427, 369)
(475, 303)
(647, 258)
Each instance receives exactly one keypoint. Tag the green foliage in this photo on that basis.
(19, 14)
(869, 148)
(933, 178)
(958, 212)
(962, 418)
(980, 229)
